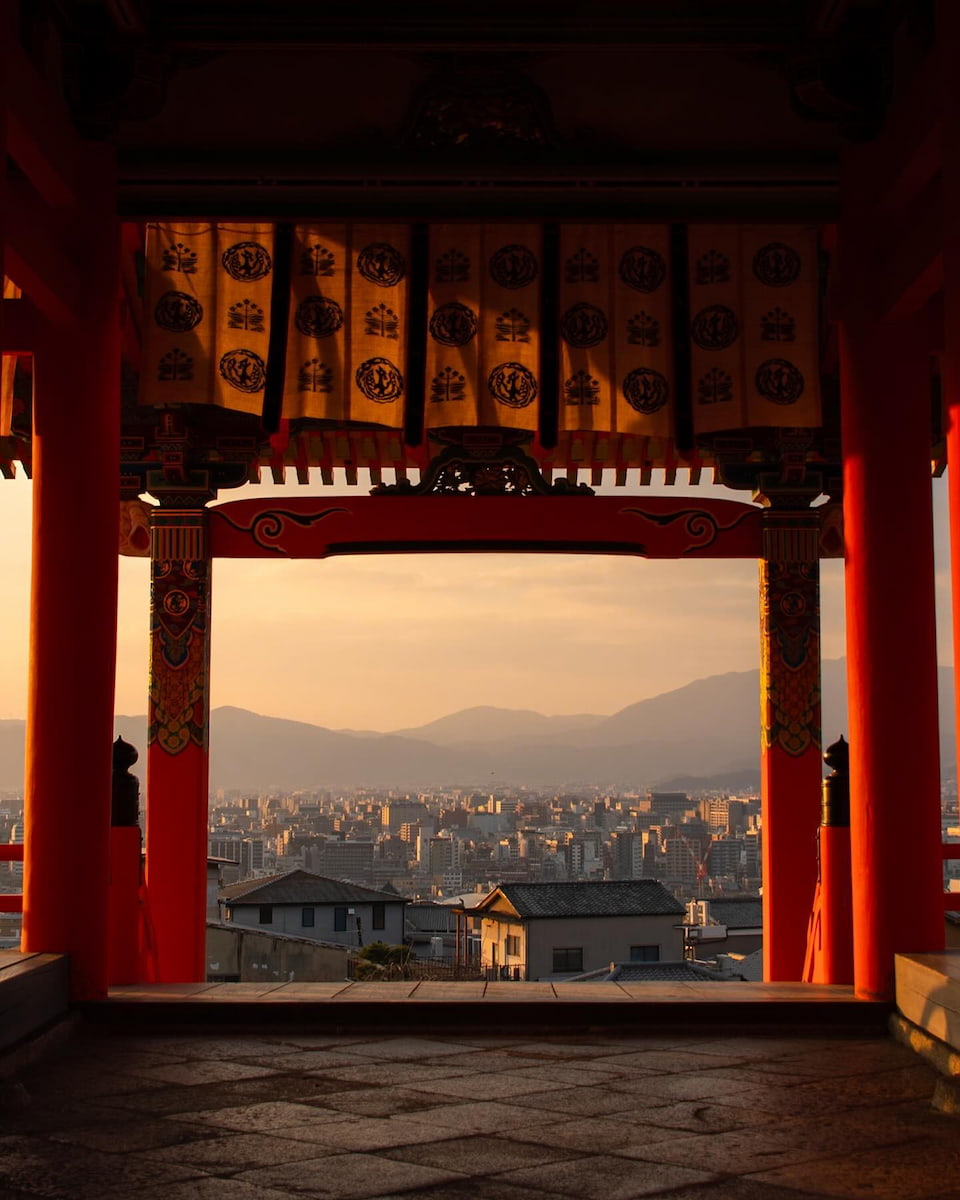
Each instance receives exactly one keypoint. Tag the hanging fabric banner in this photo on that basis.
(754, 326)
(643, 330)
(455, 254)
(510, 330)
(782, 325)
(483, 341)
(206, 314)
(318, 362)
(377, 332)
(616, 356)
(586, 307)
(753, 330)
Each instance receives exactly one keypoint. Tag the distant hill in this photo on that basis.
(702, 735)
(486, 724)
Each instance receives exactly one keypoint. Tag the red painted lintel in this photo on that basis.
(321, 526)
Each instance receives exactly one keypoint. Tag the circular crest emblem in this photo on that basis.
(381, 263)
(243, 370)
(776, 264)
(177, 312)
(645, 390)
(379, 380)
(513, 266)
(793, 604)
(176, 602)
(318, 317)
(512, 384)
(453, 324)
(779, 381)
(642, 269)
(715, 327)
(583, 325)
(247, 261)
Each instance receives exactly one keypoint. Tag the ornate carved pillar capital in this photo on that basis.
(179, 624)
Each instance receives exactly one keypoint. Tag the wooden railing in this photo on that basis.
(11, 902)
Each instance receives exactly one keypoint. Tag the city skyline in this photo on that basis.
(390, 641)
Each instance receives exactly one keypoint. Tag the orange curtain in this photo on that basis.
(754, 326)
(483, 334)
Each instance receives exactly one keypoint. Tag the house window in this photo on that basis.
(379, 916)
(308, 918)
(644, 953)
(512, 946)
(568, 958)
(339, 919)
(266, 914)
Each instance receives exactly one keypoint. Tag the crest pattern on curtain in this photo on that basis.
(342, 295)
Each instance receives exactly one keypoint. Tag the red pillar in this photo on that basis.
(790, 763)
(891, 646)
(177, 751)
(74, 608)
(948, 42)
(830, 949)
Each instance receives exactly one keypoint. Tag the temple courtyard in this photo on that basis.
(263, 1115)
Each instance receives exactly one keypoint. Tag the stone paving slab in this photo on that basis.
(448, 1117)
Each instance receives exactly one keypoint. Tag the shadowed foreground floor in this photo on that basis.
(486, 1118)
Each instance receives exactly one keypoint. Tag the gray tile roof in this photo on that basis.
(663, 972)
(738, 912)
(302, 887)
(430, 918)
(628, 898)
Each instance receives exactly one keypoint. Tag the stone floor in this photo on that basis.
(262, 1117)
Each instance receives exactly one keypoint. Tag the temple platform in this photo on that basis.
(928, 994)
(478, 1007)
(34, 994)
(447, 1115)
(450, 1091)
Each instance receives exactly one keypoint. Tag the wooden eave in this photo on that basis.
(496, 907)
(744, 24)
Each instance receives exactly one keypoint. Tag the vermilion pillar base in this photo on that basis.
(833, 960)
(125, 935)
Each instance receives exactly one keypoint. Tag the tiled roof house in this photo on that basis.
(558, 930)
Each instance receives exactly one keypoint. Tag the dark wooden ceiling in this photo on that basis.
(679, 107)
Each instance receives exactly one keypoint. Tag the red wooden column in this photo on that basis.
(948, 46)
(891, 642)
(790, 762)
(76, 433)
(177, 750)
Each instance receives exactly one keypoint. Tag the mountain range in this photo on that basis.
(702, 735)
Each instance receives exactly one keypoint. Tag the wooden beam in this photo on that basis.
(912, 271)
(649, 527)
(40, 136)
(901, 161)
(34, 259)
(18, 327)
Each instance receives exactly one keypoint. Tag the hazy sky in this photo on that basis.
(386, 642)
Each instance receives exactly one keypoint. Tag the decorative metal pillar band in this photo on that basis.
(179, 629)
(790, 633)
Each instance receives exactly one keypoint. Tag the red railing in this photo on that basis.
(11, 902)
(951, 900)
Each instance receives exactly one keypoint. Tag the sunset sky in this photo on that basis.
(386, 642)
